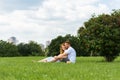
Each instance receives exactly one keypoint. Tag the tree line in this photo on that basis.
(23, 49)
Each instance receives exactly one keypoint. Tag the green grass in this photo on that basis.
(86, 68)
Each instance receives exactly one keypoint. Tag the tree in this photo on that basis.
(23, 49)
(84, 43)
(32, 48)
(35, 49)
(8, 49)
(102, 35)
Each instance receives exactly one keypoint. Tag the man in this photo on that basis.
(69, 56)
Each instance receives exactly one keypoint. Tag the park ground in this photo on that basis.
(86, 68)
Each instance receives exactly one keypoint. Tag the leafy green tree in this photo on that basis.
(23, 49)
(8, 49)
(102, 35)
(32, 48)
(35, 49)
(84, 45)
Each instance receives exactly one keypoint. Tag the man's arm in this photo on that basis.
(61, 56)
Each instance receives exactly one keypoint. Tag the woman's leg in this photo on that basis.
(43, 60)
(48, 59)
(58, 59)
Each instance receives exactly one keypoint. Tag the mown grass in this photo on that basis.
(86, 68)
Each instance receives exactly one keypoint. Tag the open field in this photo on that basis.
(86, 68)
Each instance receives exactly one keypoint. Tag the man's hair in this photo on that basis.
(68, 42)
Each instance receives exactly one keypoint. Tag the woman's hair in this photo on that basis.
(61, 50)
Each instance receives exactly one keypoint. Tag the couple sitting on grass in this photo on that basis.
(67, 54)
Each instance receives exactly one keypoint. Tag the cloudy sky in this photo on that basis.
(43, 20)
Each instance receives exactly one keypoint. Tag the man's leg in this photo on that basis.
(65, 60)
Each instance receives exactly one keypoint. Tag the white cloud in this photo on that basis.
(52, 18)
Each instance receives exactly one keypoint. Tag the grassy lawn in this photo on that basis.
(86, 68)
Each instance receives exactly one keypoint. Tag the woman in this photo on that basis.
(51, 59)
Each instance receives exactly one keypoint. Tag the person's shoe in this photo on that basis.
(68, 62)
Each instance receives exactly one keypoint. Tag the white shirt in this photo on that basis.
(71, 54)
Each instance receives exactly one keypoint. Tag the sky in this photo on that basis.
(44, 20)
